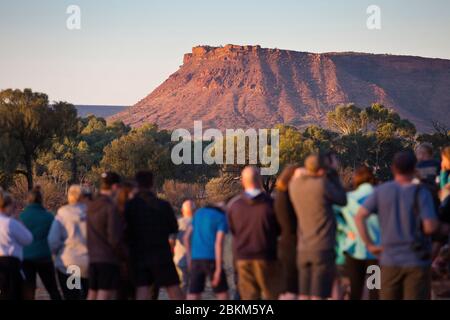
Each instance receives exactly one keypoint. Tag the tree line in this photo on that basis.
(43, 139)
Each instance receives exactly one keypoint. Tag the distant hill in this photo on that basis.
(99, 111)
(249, 86)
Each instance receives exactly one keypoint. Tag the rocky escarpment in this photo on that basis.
(249, 86)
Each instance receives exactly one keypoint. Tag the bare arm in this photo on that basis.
(335, 192)
(220, 237)
(430, 226)
(187, 244)
(360, 220)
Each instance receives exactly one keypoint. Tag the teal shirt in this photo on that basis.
(38, 221)
(444, 179)
(355, 246)
(341, 238)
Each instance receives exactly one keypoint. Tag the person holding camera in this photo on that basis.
(313, 191)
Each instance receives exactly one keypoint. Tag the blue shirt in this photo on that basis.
(205, 225)
(394, 205)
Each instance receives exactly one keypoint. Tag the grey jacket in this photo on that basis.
(67, 238)
(312, 199)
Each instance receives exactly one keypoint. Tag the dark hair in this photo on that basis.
(428, 147)
(404, 162)
(326, 158)
(6, 200)
(285, 177)
(108, 179)
(144, 179)
(35, 196)
(363, 174)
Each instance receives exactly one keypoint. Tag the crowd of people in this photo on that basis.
(298, 242)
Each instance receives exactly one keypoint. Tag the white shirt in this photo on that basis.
(253, 193)
(13, 237)
(179, 256)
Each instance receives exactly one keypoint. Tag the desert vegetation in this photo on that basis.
(48, 144)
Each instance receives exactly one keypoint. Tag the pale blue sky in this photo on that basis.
(126, 48)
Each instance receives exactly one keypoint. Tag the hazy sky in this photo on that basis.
(126, 48)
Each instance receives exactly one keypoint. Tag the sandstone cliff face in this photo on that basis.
(248, 86)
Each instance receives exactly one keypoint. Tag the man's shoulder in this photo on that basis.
(306, 181)
(235, 200)
(163, 204)
(386, 186)
(100, 200)
(429, 163)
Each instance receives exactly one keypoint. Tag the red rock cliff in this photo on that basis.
(248, 86)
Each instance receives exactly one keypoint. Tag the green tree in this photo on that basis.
(145, 148)
(31, 123)
(348, 119)
(370, 136)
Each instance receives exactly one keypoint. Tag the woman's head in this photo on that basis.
(446, 158)
(285, 177)
(74, 194)
(6, 202)
(363, 175)
(35, 196)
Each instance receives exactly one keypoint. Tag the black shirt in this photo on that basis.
(150, 221)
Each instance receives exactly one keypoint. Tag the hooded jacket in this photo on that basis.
(68, 238)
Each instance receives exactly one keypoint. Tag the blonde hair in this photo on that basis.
(74, 194)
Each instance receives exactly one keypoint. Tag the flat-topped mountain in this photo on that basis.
(249, 86)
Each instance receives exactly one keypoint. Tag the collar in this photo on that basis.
(253, 193)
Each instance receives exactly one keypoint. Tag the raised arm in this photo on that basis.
(334, 191)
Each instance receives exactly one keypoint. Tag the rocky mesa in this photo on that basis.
(249, 86)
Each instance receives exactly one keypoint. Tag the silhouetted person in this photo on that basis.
(149, 223)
